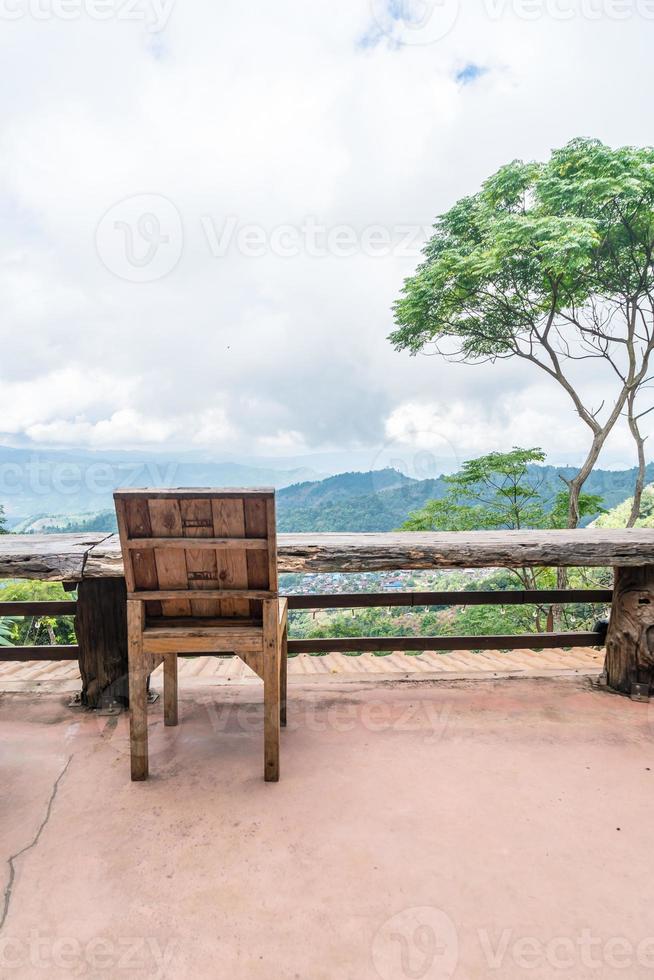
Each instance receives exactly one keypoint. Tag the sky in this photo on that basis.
(208, 208)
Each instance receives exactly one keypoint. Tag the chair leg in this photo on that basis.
(170, 689)
(283, 678)
(138, 694)
(271, 682)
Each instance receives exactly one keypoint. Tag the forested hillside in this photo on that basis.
(618, 516)
(343, 486)
(378, 505)
(379, 500)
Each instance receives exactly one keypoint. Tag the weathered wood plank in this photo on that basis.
(376, 644)
(229, 520)
(46, 557)
(198, 523)
(178, 595)
(478, 597)
(36, 608)
(69, 557)
(191, 493)
(202, 544)
(172, 573)
(27, 654)
(476, 549)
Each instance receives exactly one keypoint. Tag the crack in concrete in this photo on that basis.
(14, 857)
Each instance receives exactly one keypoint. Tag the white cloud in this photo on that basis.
(125, 428)
(272, 113)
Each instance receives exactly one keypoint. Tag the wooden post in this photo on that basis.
(630, 637)
(101, 628)
(138, 692)
(271, 676)
(171, 712)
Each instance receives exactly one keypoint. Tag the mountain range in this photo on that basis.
(377, 500)
(70, 483)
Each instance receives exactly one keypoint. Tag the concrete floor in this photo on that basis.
(424, 830)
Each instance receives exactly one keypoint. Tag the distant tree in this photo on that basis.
(3, 521)
(491, 620)
(552, 263)
(361, 622)
(499, 492)
(490, 492)
(590, 505)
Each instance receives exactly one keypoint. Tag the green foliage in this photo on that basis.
(489, 620)
(104, 521)
(618, 516)
(6, 631)
(44, 524)
(538, 240)
(3, 521)
(362, 622)
(452, 620)
(590, 504)
(343, 486)
(493, 491)
(499, 491)
(362, 502)
(387, 508)
(35, 630)
(396, 621)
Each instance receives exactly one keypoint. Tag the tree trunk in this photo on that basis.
(640, 478)
(101, 628)
(630, 637)
(575, 486)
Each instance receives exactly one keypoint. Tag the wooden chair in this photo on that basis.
(201, 573)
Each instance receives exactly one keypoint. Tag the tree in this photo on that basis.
(6, 631)
(633, 419)
(500, 492)
(552, 263)
(621, 515)
(3, 520)
(491, 492)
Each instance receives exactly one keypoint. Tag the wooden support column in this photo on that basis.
(101, 628)
(630, 637)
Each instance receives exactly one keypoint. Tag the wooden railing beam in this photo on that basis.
(380, 644)
(45, 608)
(480, 597)
(96, 559)
(72, 557)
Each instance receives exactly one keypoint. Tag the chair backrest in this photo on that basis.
(199, 552)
